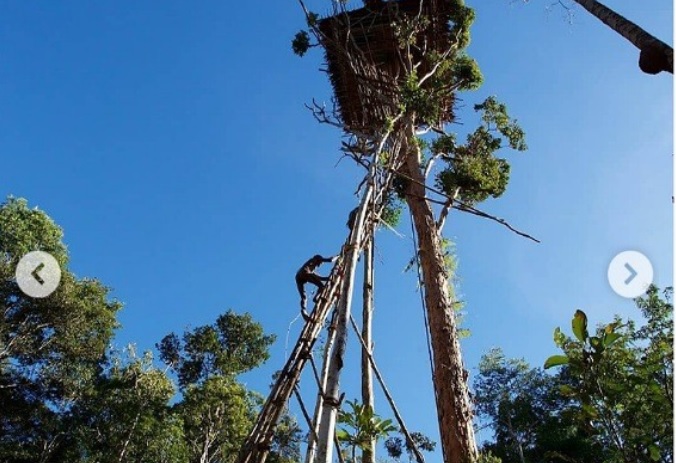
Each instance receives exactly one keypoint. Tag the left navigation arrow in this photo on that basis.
(38, 274)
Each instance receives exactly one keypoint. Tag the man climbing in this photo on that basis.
(306, 274)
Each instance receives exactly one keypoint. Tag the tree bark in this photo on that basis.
(656, 56)
(368, 454)
(451, 391)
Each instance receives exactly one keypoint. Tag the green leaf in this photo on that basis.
(342, 435)
(654, 452)
(556, 360)
(610, 338)
(580, 326)
(385, 427)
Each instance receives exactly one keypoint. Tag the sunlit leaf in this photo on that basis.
(610, 338)
(580, 326)
(556, 360)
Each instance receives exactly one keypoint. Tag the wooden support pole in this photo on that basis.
(409, 439)
(309, 422)
(311, 452)
(368, 453)
(329, 413)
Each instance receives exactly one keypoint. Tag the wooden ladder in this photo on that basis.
(258, 443)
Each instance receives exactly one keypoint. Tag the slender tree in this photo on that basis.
(125, 417)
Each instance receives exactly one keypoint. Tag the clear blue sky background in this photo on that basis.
(170, 141)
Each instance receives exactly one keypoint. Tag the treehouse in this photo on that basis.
(364, 57)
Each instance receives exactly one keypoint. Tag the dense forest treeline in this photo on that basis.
(66, 396)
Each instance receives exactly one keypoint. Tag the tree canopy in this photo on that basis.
(611, 400)
(67, 396)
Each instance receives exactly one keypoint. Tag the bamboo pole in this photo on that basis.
(409, 439)
(368, 453)
(329, 413)
(311, 451)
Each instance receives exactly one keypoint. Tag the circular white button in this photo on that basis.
(38, 274)
(630, 273)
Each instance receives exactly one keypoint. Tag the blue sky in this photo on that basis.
(170, 141)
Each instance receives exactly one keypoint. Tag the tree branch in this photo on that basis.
(474, 211)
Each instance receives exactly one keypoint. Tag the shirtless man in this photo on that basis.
(306, 274)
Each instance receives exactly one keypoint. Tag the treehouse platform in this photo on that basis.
(363, 52)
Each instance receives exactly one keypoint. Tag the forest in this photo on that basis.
(66, 396)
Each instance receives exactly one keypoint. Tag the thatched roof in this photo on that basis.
(366, 83)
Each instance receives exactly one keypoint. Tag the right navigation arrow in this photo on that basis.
(632, 273)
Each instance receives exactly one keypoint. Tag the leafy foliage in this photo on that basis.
(396, 445)
(527, 413)
(391, 214)
(51, 349)
(610, 400)
(125, 416)
(66, 396)
(361, 426)
(217, 415)
(234, 344)
(623, 380)
(217, 410)
(472, 169)
(301, 43)
(420, 99)
(24, 230)
(286, 441)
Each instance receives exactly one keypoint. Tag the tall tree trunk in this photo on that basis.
(368, 454)
(450, 384)
(327, 422)
(656, 56)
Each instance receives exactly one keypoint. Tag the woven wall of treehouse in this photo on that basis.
(366, 79)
